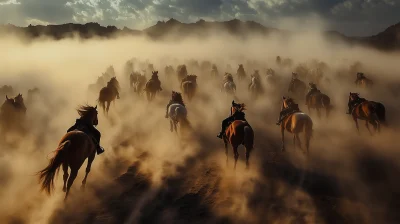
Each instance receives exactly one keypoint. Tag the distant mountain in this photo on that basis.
(388, 40)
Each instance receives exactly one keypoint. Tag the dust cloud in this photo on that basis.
(148, 174)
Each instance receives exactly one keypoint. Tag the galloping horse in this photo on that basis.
(108, 94)
(138, 82)
(153, 86)
(238, 133)
(297, 87)
(189, 86)
(229, 85)
(372, 112)
(177, 113)
(318, 101)
(241, 73)
(296, 123)
(181, 72)
(12, 113)
(365, 83)
(169, 71)
(72, 151)
(214, 72)
(255, 86)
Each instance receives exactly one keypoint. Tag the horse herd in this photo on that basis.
(238, 133)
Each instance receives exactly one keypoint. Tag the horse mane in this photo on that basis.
(86, 110)
(177, 97)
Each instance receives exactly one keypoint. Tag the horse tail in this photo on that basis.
(308, 130)
(248, 138)
(46, 176)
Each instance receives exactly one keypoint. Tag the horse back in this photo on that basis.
(81, 144)
(236, 132)
(296, 122)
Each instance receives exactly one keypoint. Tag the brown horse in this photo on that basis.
(153, 86)
(72, 151)
(318, 101)
(12, 113)
(371, 112)
(108, 94)
(178, 114)
(239, 133)
(181, 72)
(296, 123)
(189, 86)
(297, 87)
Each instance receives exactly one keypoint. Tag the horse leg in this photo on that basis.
(294, 141)
(65, 176)
(226, 150)
(170, 126)
(89, 164)
(355, 120)
(71, 180)
(298, 142)
(283, 137)
(366, 125)
(236, 155)
(248, 150)
(108, 106)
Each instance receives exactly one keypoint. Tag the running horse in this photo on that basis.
(296, 123)
(108, 94)
(12, 113)
(153, 86)
(189, 86)
(229, 86)
(177, 113)
(297, 87)
(318, 101)
(371, 112)
(238, 133)
(72, 151)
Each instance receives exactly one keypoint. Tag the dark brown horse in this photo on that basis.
(318, 101)
(181, 72)
(72, 151)
(241, 73)
(296, 123)
(239, 133)
(297, 87)
(12, 113)
(108, 94)
(153, 86)
(189, 86)
(371, 112)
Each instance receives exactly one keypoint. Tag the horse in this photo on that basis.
(181, 72)
(369, 111)
(214, 71)
(178, 114)
(297, 87)
(189, 86)
(169, 71)
(238, 133)
(108, 94)
(271, 77)
(12, 114)
(73, 149)
(241, 73)
(296, 123)
(255, 86)
(318, 101)
(229, 85)
(153, 86)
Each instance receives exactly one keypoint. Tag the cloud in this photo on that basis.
(353, 17)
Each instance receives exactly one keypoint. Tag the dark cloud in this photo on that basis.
(353, 17)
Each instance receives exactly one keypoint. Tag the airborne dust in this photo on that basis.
(346, 178)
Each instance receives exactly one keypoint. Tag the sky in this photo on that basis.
(350, 17)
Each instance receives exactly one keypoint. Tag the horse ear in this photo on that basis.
(283, 98)
(233, 102)
(95, 107)
(7, 97)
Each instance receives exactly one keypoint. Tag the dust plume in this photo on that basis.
(148, 174)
